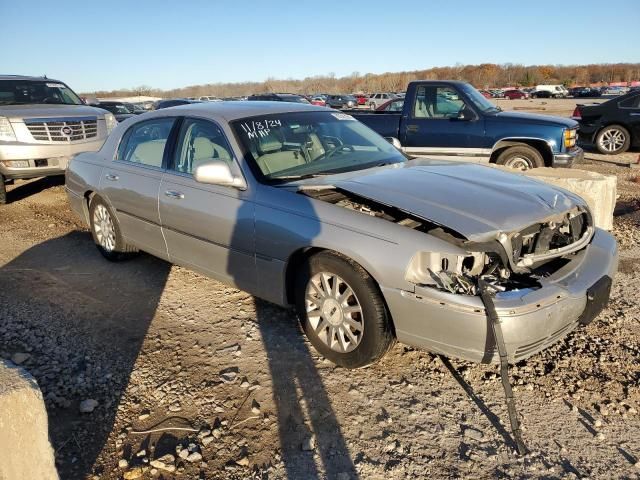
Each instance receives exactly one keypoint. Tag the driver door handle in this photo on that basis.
(412, 128)
(112, 177)
(174, 194)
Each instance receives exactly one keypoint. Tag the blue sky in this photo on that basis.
(113, 44)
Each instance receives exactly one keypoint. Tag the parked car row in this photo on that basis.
(36, 142)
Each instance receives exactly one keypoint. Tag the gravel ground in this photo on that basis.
(124, 350)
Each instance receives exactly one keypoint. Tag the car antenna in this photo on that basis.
(45, 76)
(486, 294)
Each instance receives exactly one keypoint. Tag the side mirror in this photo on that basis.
(218, 172)
(463, 115)
(394, 141)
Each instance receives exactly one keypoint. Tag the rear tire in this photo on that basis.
(342, 312)
(520, 157)
(3, 191)
(613, 139)
(372, 106)
(106, 232)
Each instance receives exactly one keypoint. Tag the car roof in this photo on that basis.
(230, 110)
(27, 77)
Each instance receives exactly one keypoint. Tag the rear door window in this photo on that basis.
(144, 142)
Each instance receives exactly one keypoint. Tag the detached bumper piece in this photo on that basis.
(487, 299)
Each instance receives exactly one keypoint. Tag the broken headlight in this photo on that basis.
(450, 272)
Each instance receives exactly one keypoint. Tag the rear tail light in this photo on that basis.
(576, 114)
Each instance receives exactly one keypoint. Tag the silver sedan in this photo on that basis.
(304, 206)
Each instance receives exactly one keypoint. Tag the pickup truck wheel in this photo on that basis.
(3, 191)
(372, 106)
(521, 157)
(342, 312)
(613, 139)
(106, 232)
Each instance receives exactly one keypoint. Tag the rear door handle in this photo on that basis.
(174, 194)
(412, 128)
(112, 177)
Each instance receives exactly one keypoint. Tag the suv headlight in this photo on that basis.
(110, 121)
(6, 130)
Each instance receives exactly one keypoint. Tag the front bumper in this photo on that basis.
(44, 159)
(567, 159)
(457, 326)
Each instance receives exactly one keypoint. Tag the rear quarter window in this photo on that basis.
(633, 102)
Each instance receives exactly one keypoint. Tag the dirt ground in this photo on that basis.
(227, 387)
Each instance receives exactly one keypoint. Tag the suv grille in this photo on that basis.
(62, 129)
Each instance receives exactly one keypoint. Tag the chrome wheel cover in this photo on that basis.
(334, 312)
(103, 228)
(612, 140)
(519, 163)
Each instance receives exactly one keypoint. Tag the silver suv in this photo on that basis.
(42, 124)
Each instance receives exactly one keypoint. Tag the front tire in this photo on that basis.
(106, 232)
(342, 312)
(521, 157)
(372, 106)
(613, 139)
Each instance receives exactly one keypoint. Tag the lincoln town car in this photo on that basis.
(305, 206)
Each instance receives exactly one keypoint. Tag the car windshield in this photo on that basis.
(29, 92)
(291, 146)
(478, 100)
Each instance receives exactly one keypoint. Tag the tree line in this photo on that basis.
(486, 75)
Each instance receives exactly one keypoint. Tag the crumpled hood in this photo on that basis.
(17, 113)
(523, 117)
(474, 200)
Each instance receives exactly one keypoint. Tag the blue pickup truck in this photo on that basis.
(452, 120)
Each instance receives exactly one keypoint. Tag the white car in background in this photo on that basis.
(556, 91)
(377, 99)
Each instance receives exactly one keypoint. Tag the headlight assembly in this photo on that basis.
(110, 121)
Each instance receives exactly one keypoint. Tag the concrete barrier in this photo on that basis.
(25, 451)
(598, 190)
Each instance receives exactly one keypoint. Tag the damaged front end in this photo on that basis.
(509, 261)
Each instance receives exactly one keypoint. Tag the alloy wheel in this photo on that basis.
(612, 140)
(334, 312)
(103, 228)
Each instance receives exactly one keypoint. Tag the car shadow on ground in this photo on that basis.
(307, 425)
(83, 320)
(23, 189)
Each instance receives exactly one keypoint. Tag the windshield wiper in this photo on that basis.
(300, 177)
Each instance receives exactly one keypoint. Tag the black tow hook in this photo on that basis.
(486, 294)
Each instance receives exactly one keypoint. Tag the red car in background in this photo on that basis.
(515, 94)
(486, 94)
(319, 101)
(362, 99)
